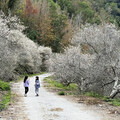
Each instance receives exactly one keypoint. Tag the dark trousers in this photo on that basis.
(26, 90)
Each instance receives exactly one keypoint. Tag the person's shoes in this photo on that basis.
(37, 95)
(25, 95)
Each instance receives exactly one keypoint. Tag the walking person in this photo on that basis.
(37, 85)
(26, 85)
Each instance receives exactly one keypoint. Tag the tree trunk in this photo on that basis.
(116, 88)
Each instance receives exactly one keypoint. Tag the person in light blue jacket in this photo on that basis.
(26, 85)
(37, 85)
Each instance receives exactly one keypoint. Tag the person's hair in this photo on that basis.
(37, 78)
(26, 77)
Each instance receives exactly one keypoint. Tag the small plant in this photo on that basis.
(70, 93)
(6, 94)
(5, 101)
(61, 93)
(53, 83)
(4, 85)
(93, 94)
(115, 102)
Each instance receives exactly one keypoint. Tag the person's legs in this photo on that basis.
(26, 91)
(36, 90)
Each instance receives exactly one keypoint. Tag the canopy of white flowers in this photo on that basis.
(94, 60)
(18, 54)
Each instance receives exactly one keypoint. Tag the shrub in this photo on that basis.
(11, 3)
(5, 101)
(93, 94)
(4, 86)
(61, 93)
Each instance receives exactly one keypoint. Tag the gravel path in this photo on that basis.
(49, 106)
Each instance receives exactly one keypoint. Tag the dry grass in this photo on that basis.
(89, 100)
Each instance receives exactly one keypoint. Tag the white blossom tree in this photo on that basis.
(93, 61)
(18, 54)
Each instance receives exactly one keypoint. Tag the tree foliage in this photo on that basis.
(49, 22)
(76, 7)
(111, 7)
(93, 62)
(11, 3)
(19, 55)
(47, 26)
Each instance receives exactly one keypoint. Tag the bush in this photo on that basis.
(57, 84)
(61, 93)
(4, 85)
(93, 94)
(115, 102)
(11, 3)
(5, 101)
(6, 94)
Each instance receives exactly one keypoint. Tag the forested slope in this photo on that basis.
(51, 22)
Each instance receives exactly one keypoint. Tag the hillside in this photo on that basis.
(51, 22)
(93, 11)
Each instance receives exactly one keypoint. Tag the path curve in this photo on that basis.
(49, 106)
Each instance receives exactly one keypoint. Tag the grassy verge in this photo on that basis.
(115, 102)
(5, 94)
(62, 90)
(72, 89)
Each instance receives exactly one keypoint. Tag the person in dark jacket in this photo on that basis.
(37, 85)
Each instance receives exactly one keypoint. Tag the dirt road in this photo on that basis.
(49, 106)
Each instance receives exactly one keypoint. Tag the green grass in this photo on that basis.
(72, 87)
(5, 88)
(53, 83)
(93, 94)
(115, 102)
(5, 100)
(61, 93)
(62, 90)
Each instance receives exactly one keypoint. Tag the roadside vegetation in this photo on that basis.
(5, 94)
(115, 102)
(72, 90)
(62, 89)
